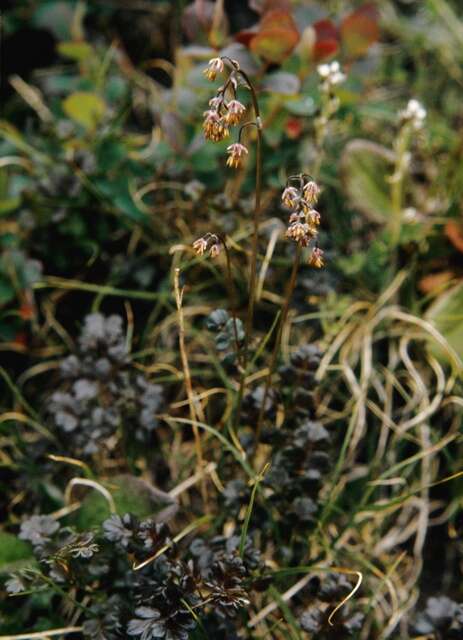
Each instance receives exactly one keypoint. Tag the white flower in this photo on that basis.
(414, 113)
(331, 74)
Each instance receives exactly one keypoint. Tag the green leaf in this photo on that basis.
(75, 50)
(9, 204)
(446, 314)
(131, 495)
(365, 168)
(117, 191)
(85, 108)
(304, 106)
(56, 17)
(282, 82)
(13, 552)
(7, 293)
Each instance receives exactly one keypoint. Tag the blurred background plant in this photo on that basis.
(106, 180)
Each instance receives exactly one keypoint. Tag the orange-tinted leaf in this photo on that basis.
(454, 232)
(359, 30)
(245, 36)
(27, 311)
(326, 42)
(277, 37)
(435, 281)
(278, 19)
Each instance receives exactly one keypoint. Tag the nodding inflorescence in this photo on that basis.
(304, 220)
(209, 242)
(225, 110)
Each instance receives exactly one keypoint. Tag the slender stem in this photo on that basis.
(397, 181)
(187, 378)
(276, 347)
(255, 235)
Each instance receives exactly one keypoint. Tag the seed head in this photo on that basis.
(311, 192)
(215, 66)
(290, 197)
(235, 111)
(236, 153)
(316, 258)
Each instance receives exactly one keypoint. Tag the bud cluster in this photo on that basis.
(304, 220)
(225, 111)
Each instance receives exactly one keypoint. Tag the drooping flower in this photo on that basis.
(235, 111)
(236, 153)
(290, 197)
(311, 192)
(200, 246)
(214, 126)
(210, 242)
(214, 66)
(316, 258)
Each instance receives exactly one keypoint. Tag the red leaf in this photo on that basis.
(359, 30)
(293, 128)
(327, 42)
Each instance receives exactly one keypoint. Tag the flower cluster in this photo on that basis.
(225, 111)
(331, 75)
(304, 219)
(414, 114)
(100, 392)
(209, 242)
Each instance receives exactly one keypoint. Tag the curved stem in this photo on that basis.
(255, 236)
(276, 347)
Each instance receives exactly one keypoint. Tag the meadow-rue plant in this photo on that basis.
(304, 219)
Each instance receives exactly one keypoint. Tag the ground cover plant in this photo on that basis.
(231, 326)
